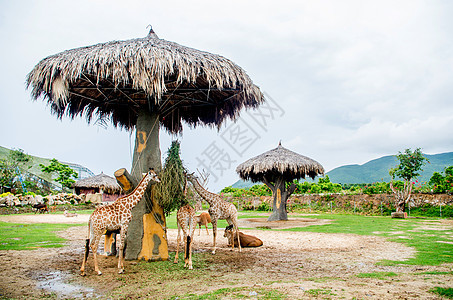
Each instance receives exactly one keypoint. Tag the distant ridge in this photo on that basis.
(377, 170)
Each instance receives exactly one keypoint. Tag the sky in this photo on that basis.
(345, 81)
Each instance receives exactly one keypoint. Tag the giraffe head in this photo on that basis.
(152, 176)
(191, 176)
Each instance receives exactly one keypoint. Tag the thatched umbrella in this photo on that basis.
(275, 168)
(144, 83)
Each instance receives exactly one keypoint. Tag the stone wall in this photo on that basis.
(362, 202)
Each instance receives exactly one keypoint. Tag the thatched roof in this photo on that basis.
(279, 162)
(114, 80)
(108, 184)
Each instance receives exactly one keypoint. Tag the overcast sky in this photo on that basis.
(347, 81)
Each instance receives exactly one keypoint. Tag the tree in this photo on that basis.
(409, 167)
(66, 175)
(441, 183)
(13, 166)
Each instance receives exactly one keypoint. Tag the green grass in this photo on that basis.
(30, 236)
(377, 275)
(434, 273)
(318, 292)
(431, 245)
(445, 292)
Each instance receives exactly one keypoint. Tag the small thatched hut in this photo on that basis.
(275, 168)
(104, 185)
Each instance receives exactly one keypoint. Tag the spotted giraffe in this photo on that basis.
(186, 220)
(113, 217)
(218, 209)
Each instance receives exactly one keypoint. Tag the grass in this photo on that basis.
(30, 236)
(318, 292)
(432, 246)
(377, 275)
(444, 292)
(235, 293)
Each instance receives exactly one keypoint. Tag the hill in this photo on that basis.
(377, 170)
(35, 169)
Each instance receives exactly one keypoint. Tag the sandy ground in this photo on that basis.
(294, 263)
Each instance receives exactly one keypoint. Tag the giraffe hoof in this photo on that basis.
(213, 252)
(99, 273)
(83, 274)
(121, 271)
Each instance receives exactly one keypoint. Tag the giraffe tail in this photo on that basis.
(87, 248)
(188, 247)
(87, 241)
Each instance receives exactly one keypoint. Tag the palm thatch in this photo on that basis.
(114, 80)
(279, 163)
(104, 182)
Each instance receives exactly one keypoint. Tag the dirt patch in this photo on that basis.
(290, 223)
(46, 218)
(294, 263)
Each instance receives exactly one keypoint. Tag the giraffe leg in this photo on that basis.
(94, 247)
(191, 233)
(236, 227)
(177, 245)
(186, 239)
(186, 250)
(120, 242)
(207, 231)
(214, 233)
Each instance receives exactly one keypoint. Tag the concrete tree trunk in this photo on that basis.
(281, 195)
(146, 238)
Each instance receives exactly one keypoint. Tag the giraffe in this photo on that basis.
(112, 217)
(185, 217)
(218, 209)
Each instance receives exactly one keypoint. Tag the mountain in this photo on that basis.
(377, 170)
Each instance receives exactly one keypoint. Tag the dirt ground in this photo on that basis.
(303, 265)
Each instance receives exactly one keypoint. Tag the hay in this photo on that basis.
(169, 193)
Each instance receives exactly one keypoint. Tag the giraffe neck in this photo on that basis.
(211, 198)
(133, 198)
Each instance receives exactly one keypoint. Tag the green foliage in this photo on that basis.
(377, 188)
(15, 163)
(410, 164)
(442, 183)
(66, 175)
(261, 190)
(170, 191)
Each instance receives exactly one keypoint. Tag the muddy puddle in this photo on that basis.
(56, 282)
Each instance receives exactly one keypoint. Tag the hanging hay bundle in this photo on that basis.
(170, 191)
